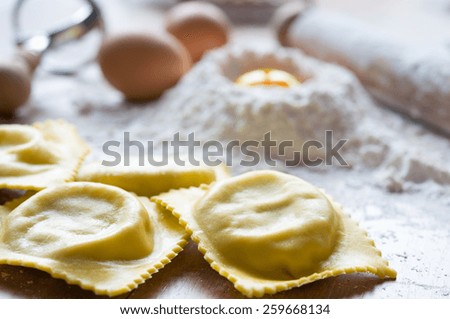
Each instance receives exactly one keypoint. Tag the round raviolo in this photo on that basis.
(42, 155)
(81, 220)
(15, 136)
(97, 236)
(266, 214)
(267, 232)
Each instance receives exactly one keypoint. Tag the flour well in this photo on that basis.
(209, 103)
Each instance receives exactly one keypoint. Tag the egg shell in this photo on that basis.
(15, 86)
(199, 26)
(142, 66)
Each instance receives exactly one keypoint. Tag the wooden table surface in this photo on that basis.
(415, 242)
(187, 276)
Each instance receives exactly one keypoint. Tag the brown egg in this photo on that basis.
(199, 26)
(143, 66)
(15, 85)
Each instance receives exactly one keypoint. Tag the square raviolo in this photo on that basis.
(38, 156)
(267, 231)
(97, 236)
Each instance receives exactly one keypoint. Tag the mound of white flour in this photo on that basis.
(208, 102)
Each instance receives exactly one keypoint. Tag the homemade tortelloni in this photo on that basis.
(149, 180)
(94, 235)
(264, 231)
(38, 156)
(267, 231)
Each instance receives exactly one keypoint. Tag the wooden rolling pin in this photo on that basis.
(410, 79)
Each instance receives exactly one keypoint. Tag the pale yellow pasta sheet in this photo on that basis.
(267, 231)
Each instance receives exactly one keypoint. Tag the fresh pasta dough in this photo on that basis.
(267, 231)
(38, 156)
(150, 180)
(97, 236)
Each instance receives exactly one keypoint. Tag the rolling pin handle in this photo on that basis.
(285, 15)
